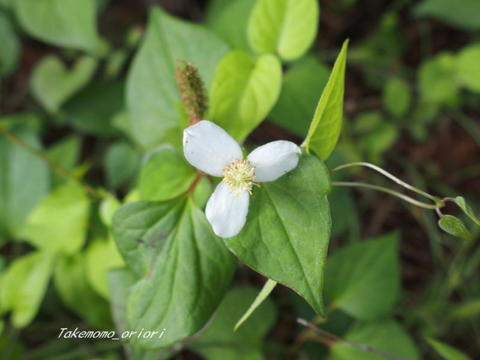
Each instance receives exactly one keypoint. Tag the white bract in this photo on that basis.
(210, 149)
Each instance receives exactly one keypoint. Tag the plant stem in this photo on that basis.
(195, 182)
(336, 338)
(55, 167)
(438, 202)
(388, 191)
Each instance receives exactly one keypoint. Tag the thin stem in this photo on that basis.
(385, 173)
(388, 191)
(58, 169)
(439, 212)
(195, 182)
(358, 346)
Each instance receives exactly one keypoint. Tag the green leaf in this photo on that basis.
(120, 281)
(107, 209)
(140, 228)
(299, 96)
(283, 27)
(93, 109)
(3, 297)
(19, 169)
(446, 351)
(463, 16)
(344, 212)
(164, 174)
(24, 286)
(467, 67)
(64, 153)
(367, 121)
(101, 256)
(460, 201)
(121, 163)
(229, 19)
(424, 114)
(59, 222)
(71, 283)
(65, 23)
(363, 278)
(10, 46)
(454, 226)
(468, 309)
(202, 192)
(326, 124)
(261, 297)
(186, 268)
(152, 93)
(380, 48)
(378, 141)
(121, 121)
(52, 84)
(437, 78)
(9, 344)
(287, 230)
(220, 342)
(396, 97)
(384, 335)
(244, 91)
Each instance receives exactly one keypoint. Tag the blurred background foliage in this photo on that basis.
(67, 137)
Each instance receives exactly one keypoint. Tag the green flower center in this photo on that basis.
(239, 176)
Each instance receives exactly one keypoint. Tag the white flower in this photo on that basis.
(210, 149)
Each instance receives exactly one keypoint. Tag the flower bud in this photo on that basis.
(192, 91)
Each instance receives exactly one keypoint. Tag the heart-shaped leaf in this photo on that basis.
(93, 108)
(228, 19)
(221, 342)
(288, 229)
(24, 285)
(71, 283)
(52, 84)
(152, 93)
(120, 281)
(18, 168)
(122, 162)
(437, 77)
(359, 272)
(140, 230)
(185, 268)
(59, 223)
(467, 67)
(101, 256)
(384, 335)
(65, 153)
(244, 91)
(67, 23)
(301, 85)
(167, 166)
(396, 97)
(283, 27)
